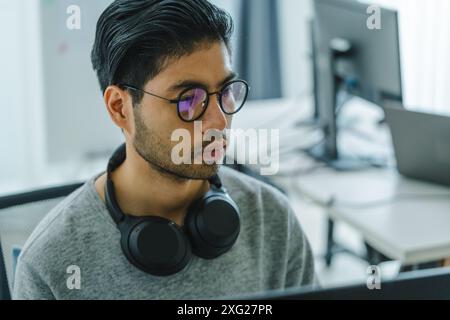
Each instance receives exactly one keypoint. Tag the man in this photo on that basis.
(163, 64)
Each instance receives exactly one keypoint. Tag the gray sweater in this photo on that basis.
(271, 252)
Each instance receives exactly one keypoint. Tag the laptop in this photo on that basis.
(421, 143)
(430, 284)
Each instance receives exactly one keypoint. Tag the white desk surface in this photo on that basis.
(406, 229)
(412, 230)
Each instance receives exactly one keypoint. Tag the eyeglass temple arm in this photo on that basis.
(149, 93)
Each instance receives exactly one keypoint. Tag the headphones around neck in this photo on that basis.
(159, 246)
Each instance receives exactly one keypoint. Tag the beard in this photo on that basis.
(157, 153)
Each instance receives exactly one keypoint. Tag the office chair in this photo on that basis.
(19, 215)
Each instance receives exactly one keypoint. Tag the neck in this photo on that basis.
(142, 190)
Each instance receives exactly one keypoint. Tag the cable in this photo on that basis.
(333, 203)
(343, 97)
(357, 133)
(383, 202)
(370, 161)
(295, 101)
(287, 150)
(300, 171)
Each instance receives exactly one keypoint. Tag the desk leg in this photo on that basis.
(372, 256)
(330, 242)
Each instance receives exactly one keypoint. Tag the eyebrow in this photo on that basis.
(184, 84)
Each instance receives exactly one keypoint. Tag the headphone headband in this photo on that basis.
(117, 158)
(159, 246)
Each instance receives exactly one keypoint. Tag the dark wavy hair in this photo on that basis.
(135, 38)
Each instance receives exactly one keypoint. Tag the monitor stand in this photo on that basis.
(342, 162)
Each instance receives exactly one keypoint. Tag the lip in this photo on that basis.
(217, 145)
(217, 148)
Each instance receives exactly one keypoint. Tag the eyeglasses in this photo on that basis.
(193, 102)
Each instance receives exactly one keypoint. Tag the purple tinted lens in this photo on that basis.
(185, 106)
(192, 103)
(234, 96)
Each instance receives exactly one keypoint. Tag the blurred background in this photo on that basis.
(54, 128)
(49, 88)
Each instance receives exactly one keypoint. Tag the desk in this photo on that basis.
(413, 230)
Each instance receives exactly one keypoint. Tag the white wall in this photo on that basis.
(53, 111)
(77, 122)
(232, 7)
(12, 142)
(21, 125)
(424, 30)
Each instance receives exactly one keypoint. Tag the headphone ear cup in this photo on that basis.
(213, 225)
(155, 245)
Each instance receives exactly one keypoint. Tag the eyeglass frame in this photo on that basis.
(208, 94)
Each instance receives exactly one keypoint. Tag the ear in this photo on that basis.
(119, 106)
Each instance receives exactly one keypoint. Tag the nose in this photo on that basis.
(214, 118)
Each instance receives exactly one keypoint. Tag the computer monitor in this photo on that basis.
(351, 55)
(431, 284)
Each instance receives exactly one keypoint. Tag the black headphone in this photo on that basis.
(159, 246)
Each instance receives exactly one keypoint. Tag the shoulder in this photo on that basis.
(62, 230)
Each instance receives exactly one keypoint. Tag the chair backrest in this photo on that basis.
(19, 215)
